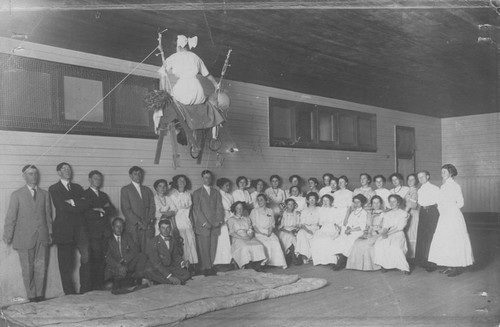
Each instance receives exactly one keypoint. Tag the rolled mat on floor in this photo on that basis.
(161, 304)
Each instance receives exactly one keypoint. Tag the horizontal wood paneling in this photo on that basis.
(471, 143)
(249, 131)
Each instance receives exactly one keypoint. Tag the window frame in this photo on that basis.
(316, 143)
(58, 123)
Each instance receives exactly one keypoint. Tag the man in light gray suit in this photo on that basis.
(138, 207)
(208, 215)
(28, 227)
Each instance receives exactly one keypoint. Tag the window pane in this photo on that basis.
(347, 130)
(404, 141)
(281, 122)
(366, 131)
(25, 94)
(129, 105)
(326, 122)
(304, 121)
(80, 96)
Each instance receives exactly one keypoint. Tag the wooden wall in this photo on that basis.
(472, 143)
(249, 130)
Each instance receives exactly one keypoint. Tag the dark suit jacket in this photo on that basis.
(113, 258)
(98, 226)
(68, 223)
(136, 209)
(161, 257)
(27, 217)
(207, 209)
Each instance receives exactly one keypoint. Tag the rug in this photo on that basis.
(160, 304)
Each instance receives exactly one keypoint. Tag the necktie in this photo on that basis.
(120, 245)
(34, 193)
(69, 187)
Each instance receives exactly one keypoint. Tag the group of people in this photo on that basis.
(171, 233)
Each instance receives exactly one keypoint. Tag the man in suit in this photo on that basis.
(125, 264)
(165, 255)
(98, 227)
(28, 227)
(208, 215)
(138, 207)
(69, 229)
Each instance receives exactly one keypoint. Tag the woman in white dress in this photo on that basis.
(181, 198)
(186, 65)
(380, 189)
(330, 220)
(313, 185)
(353, 227)
(334, 185)
(241, 193)
(223, 253)
(295, 180)
(288, 229)
(412, 208)
(326, 189)
(165, 208)
(365, 180)
(309, 224)
(399, 188)
(259, 186)
(275, 195)
(390, 247)
(245, 249)
(343, 197)
(263, 224)
(298, 198)
(362, 252)
(450, 245)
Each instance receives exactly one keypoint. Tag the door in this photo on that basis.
(405, 150)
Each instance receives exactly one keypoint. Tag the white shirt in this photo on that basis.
(96, 191)
(31, 189)
(207, 188)
(325, 190)
(428, 194)
(65, 183)
(167, 242)
(138, 188)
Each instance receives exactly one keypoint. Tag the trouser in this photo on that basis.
(66, 256)
(97, 247)
(141, 236)
(34, 269)
(206, 244)
(426, 227)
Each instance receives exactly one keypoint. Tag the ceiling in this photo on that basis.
(423, 60)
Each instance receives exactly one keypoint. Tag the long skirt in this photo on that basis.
(186, 231)
(343, 244)
(274, 254)
(362, 254)
(411, 233)
(321, 246)
(451, 244)
(223, 253)
(390, 252)
(304, 243)
(287, 239)
(246, 251)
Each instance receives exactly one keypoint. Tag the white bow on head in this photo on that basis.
(182, 40)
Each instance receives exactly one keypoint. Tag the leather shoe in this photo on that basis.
(430, 269)
(454, 272)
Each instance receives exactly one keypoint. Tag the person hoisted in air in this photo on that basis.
(186, 65)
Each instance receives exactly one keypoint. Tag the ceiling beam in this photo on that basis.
(159, 5)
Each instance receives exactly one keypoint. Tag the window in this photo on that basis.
(44, 96)
(303, 125)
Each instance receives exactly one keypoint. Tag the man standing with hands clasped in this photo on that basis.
(28, 227)
(208, 214)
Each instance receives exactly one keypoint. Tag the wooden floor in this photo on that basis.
(354, 298)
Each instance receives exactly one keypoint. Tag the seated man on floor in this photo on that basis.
(125, 265)
(165, 255)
